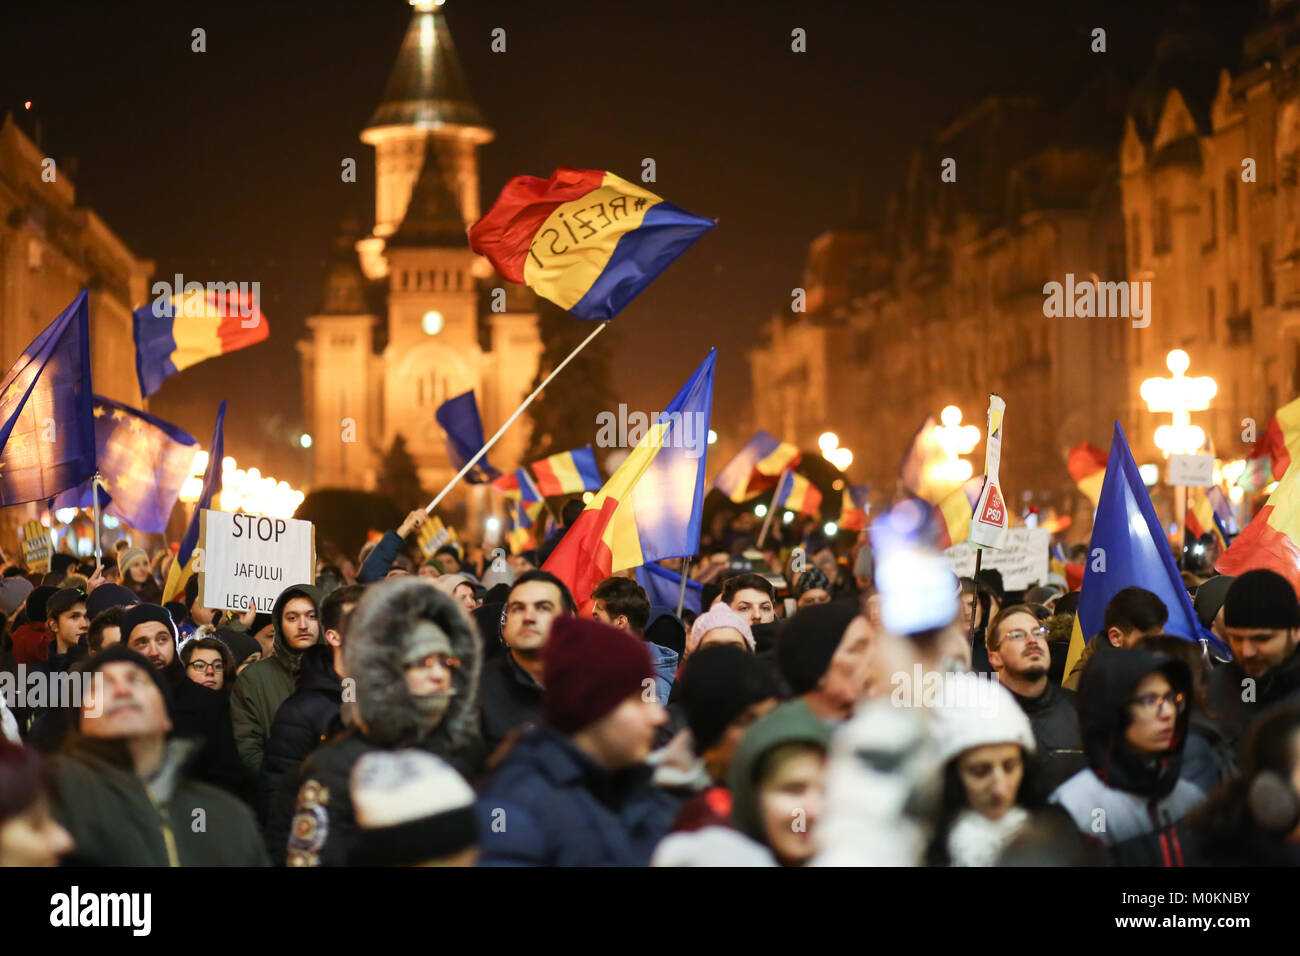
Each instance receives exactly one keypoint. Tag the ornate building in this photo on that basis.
(51, 249)
(410, 315)
(943, 302)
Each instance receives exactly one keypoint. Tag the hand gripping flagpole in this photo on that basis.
(510, 421)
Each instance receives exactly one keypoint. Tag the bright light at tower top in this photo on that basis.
(950, 416)
(1178, 361)
(828, 442)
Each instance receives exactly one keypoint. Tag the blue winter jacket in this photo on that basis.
(548, 804)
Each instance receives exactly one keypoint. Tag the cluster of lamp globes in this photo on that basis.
(243, 490)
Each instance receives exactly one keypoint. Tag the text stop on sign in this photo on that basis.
(247, 560)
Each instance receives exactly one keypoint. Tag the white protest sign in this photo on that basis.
(1193, 471)
(249, 559)
(1022, 560)
(988, 527)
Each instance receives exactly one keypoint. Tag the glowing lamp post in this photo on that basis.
(1180, 396)
(956, 440)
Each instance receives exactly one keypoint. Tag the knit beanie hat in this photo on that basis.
(1210, 596)
(716, 686)
(588, 669)
(109, 595)
(13, 591)
(977, 711)
(411, 808)
(811, 579)
(129, 557)
(720, 615)
(448, 583)
(808, 642)
(1262, 599)
(142, 613)
(36, 603)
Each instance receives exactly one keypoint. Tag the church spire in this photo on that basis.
(426, 88)
(433, 216)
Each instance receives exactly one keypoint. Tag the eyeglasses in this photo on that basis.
(200, 666)
(1150, 705)
(438, 660)
(1018, 636)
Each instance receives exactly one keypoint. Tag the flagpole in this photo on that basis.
(681, 593)
(510, 421)
(94, 496)
(975, 609)
(771, 510)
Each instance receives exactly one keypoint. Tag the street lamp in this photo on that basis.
(1180, 396)
(956, 440)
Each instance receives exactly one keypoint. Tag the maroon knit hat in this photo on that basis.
(588, 669)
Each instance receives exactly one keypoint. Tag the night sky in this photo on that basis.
(225, 165)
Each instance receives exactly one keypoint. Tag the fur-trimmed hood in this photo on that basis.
(372, 654)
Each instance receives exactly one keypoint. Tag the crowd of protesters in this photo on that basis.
(453, 710)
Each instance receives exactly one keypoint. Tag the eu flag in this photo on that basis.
(663, 586)
(459, 418)
(143, 461)
(1129, 549)
(47, 436)
(181, 571)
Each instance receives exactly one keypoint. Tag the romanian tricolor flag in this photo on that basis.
(183, 568)
(520, 487)
(797, 493)
(1087, 466)
(756, 468)
(1210, 513)
(954, 511)
(586, 239)
(197, 324)
(1272, 539)
(1281, 439)
(854, 507)
(568, 472)
(650, 508)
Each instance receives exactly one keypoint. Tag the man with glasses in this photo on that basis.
(1018, 652)
(1133, 709)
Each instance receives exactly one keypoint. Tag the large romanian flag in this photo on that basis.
(586, 239)
(1087, 466)
(756, 467)
(1272, 539)
(797, 493)
(650, 508)
(1281, 439)
(197, 324)
(568, 472)
(1210, 513)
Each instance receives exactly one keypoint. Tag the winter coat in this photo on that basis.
(1134, 803)
(1056, 732)
(116, 818)
(665, 664)
(549, 804)
(1208, 758)
(202, 714)
(508, 698)
(323, 826)
(380, 560)
(1228, 686)
(304, 719)
(265, 685)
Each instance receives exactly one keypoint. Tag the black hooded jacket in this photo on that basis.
(1133, 802)
(1056, 731)
(303, 721)
(1229, 684)
(318, 828)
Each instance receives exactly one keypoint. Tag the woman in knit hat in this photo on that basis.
(137, 576)
(987, 747)
(720, 625)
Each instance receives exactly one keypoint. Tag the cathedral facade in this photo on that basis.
(410, 315)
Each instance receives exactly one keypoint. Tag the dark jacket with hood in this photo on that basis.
(304, 720)
(323, 828)
(559, 808)
(265, 685)
(1056, 731)
(1228, 684)
(118, 818)
(1134, 803)
(509, 698)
